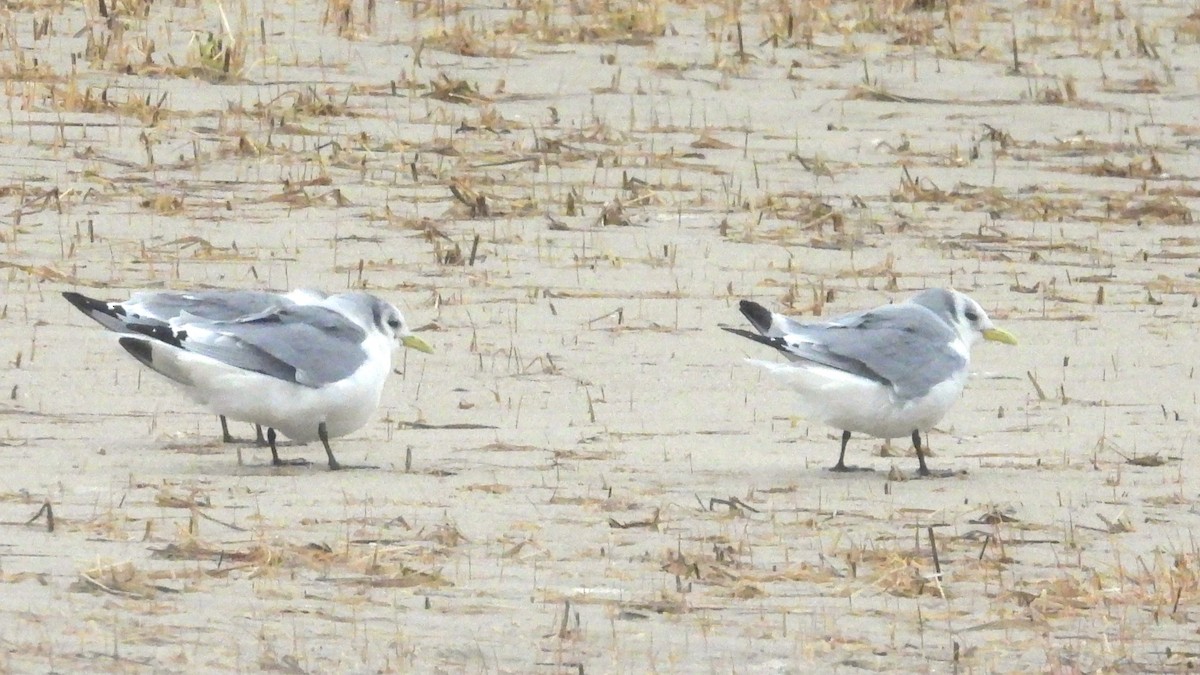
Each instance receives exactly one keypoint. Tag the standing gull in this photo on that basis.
(174, 306)
(312, 372)
(887, 372)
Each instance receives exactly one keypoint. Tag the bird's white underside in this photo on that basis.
(291, 409)
(857, 404)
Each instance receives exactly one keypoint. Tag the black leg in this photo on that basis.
(225, 437)
(334, 465)
(924, 470)
(323, 433)
(275, 454)
(258, 436)
(841, 465)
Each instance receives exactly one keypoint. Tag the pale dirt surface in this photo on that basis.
(638, 173)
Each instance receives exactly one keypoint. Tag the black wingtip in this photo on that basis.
(85, 304)
(759, 316)
(139, 349)
(110, 315)
(161, 332)
(774, 343)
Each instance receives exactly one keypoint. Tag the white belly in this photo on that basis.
(851, 403)
(292, 409)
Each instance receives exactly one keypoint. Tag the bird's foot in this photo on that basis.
(846, 468)
(299, 461)
(943, 473)
(338, 466)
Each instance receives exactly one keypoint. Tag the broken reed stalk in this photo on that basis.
(937, 564)
(1033, 380)
(563, 630)
(49, 511)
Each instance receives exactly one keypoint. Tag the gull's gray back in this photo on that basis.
(210, 305)
(906, 346)
(307, 344)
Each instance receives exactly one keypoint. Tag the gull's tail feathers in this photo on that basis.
(160, 357)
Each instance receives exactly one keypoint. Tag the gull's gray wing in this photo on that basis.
(904, 346)
(306, 344)
(147, 309)
(208, 305)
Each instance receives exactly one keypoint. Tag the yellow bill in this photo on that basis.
(1000, 335)
(414, 342)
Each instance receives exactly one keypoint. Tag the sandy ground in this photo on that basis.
(568, 200)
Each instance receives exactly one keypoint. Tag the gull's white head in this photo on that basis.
(964, 315)
(374, 314)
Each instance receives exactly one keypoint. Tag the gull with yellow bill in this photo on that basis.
(311, 371)
(887, 372)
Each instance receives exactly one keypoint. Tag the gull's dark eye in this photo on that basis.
(971, 315)
(394, 323)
